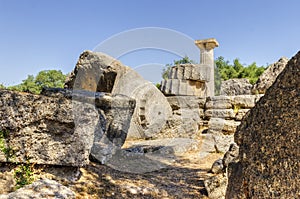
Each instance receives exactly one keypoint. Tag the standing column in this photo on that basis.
(207, 60)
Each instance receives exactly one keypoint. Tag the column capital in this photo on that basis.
(207, 44)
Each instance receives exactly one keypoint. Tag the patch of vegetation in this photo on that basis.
(158, 85)
(24, 175)
(4, 147)
(236, 108)
(237, 70)
(45, 78)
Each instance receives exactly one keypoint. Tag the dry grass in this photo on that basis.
(181, 178)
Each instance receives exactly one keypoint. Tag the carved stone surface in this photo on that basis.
(216, 186)
(236, 87)
(44, 188)
(58, 130)
(186, 118)
(268, 138)
(269, 76)
(96, 71)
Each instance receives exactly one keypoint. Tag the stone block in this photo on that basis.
(43, 188)
(219, 113)
(218, 102)
(59, 129)
(216, 186)
(97, 71)
(182, 90)
(222, 125)
(245, 101)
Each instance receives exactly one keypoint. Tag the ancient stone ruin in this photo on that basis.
(268, 139)
(233, 87)
(269, 76)
(62, 127)
(98, 72)
(105, 103)
(193, 79)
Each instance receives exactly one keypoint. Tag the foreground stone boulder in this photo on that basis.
(96, 71)
(269, 142)
(44, 188)
(62, 128)
(269, 76)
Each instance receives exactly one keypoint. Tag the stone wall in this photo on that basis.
(222, 115)
(215, 118)
(186, 79)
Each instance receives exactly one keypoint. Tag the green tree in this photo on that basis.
(237, 70)
(2, 86)
(27, 85)
(46, 78)
(50, 79)
(167, 69)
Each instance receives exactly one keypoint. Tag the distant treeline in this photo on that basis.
(35, 84)
(225, 70)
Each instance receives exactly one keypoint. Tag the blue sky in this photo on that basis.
(38, 34)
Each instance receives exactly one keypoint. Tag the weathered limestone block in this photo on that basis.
(44, 188)
(218, 102)
(222, 125)
(221, 141)
(180, 72)
(217, 166)
(269, 76)
(231, 155)
(186, 117)
(114, 116)
(166, 86)
(175, 86)
(269, 142)
(216, 186)
(59, 129)
(186, 102)
(7, 181)
(207, 145)
(245, 101)
(219, 113)
(96, 71)
(222, 132)
(182, 87)
(186, 79)
(221, 165)
(233, 87)
(188, 72)
(172, 73)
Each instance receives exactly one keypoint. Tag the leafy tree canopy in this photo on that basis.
(45, 78)
(237, 70)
